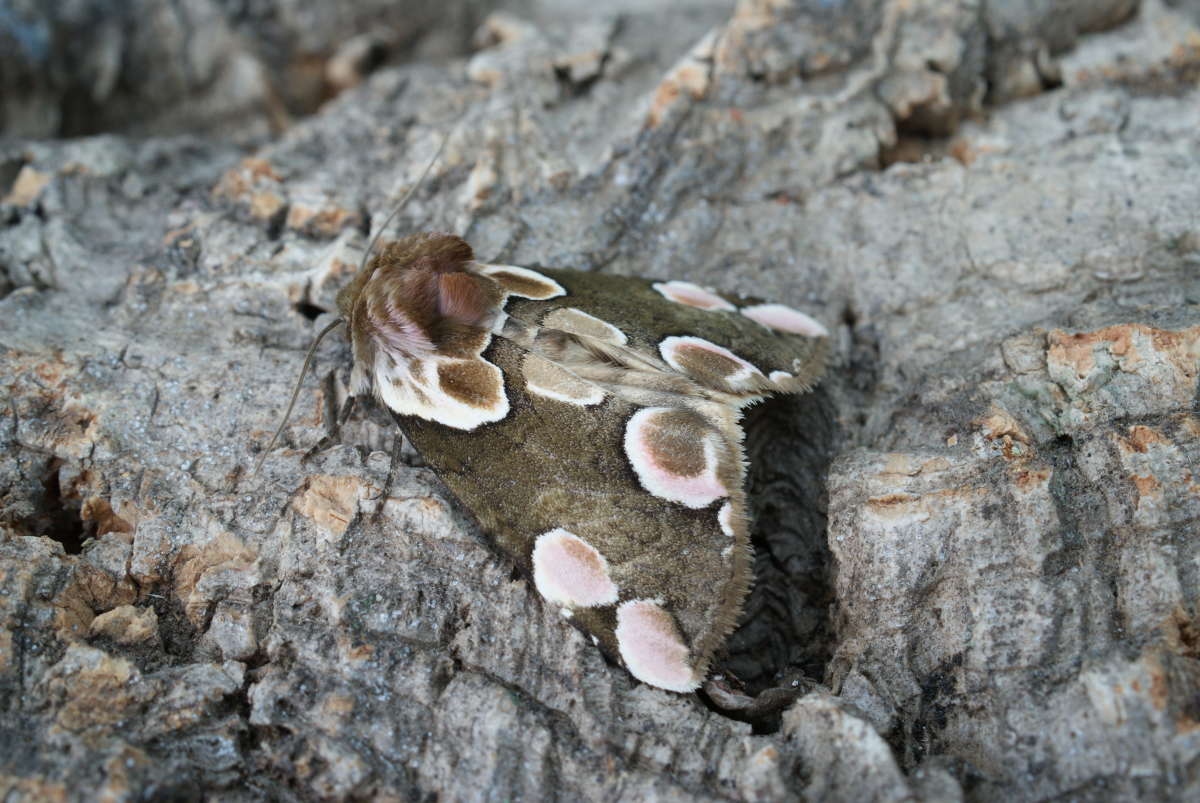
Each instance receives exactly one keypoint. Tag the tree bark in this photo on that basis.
(977, 541)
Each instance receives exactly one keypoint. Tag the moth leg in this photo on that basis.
(397, 448)
(335, 430)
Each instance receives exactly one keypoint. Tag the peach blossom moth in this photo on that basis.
(591, 423)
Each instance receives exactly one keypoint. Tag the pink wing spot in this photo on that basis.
(675, 351)
(692, 295)
(696, 490)
(725, 519)
(569, 571)
(785, 319)
(652, 648)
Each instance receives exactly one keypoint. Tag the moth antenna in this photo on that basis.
(361, 264)
(403, 202)
(296, 391)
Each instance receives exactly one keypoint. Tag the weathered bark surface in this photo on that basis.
(979, 541)
(226, 67)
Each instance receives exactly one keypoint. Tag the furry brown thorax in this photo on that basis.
(417, 296)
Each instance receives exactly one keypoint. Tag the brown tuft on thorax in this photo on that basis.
(419, 295)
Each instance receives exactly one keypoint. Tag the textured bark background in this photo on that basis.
(978, 543)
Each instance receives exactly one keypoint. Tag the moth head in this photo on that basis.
(419, 297)
(443, 250)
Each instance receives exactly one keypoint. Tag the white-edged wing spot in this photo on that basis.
(692, 295)
(709, 363)
(522, 282)
(785, 319)
(569, 571)
(676, 455)
(652, 648)
(545, 378)
(725, 519)
(578, 322)
(460, 393)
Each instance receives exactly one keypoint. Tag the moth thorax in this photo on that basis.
(396, 332)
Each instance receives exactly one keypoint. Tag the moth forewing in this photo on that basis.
(591, 423)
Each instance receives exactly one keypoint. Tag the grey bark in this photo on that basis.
(977, 572)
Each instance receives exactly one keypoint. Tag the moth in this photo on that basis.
(591, 424)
